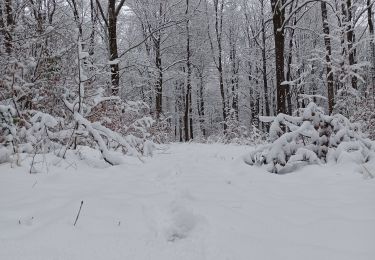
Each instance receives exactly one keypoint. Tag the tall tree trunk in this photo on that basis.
(159, 68)
(219, 9)
(255, 105)
(94, 16)
(278, 19)
(200, 102)
(289, 62)
(113, 51)
(351, 40)
(264, 63)
(234, 72)
(7, 27)
(188, 120)
(289, 72)
(327, 43)
(159, 80)
(372, 49)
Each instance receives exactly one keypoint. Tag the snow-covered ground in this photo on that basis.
(189, 201)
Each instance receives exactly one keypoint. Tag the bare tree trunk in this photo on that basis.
(94, 17)
(188, 119)
(351, 40)
(327, 43)
(159, 80)
(264, 63)
(9, 26)
(279, 38)
(113, 52)
(181, 104)
(200, 102)
(234, 72)
(2, 28)
(372, 47)
(75, 14)
(289, 72)
(289, 63)
(219, 9)
(251, 95)
(111, 26)
(255, 105)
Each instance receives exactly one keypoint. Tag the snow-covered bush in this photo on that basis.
(28, 133)
(237, 133)
(346, 101)
(365, 114)
(127, 120)
(254, 136)
(8, 132)
(161, 131)
(311, 138)
(102, 121)
(38, 136)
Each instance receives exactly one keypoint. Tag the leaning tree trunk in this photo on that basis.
(327, 43)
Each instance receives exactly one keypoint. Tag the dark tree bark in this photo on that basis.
(219, 30)
(159, 68)
(372, 48)
(278, 19)
(264, 63)
(327, 43)
(200, 100)
(159, 80)
(234, 71)
(289, 63)
(219, 11)
(113, 51)
(76, 16)
(351, 40)
(94, 18)
(111, 26)
(7, 27)
(188, 119)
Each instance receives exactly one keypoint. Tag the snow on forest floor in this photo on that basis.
(189, 201)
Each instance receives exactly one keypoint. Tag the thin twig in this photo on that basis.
(368, 171)
(79, 211)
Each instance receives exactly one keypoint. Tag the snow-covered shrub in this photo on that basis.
(38, 136)
(127, 120)
(346, 101)
(311, 138)
(365, 114)
(161, 131)
(29, 133)
(236, 133)
(254, 136)
(8, 132)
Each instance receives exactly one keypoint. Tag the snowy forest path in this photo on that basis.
(189, 201)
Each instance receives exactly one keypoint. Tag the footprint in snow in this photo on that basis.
(183, 222)
(26, 221)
